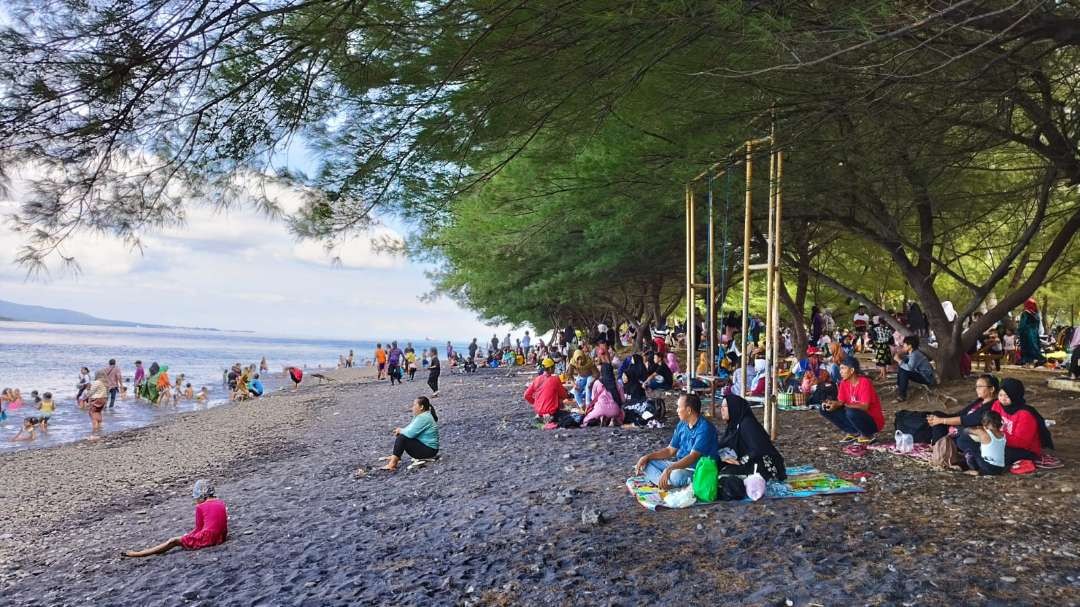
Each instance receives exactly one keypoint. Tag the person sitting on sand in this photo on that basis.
(695, 437)
(914, 367)
(971, 416)
(28, 430)
(985, 450)
(1026, 434)
(420, 439)
(751, 443)
(824, 389)
(211, 524)
(255, 386)
(659, 376)
(857, 408)
(546, 393)
(607, 397)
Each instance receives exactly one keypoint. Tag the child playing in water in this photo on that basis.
(47, 407)
(29, 427)
(211, 524)
(189, 392)
(203, 395)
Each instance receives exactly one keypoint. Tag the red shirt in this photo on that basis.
(862, 392)
(661, 345)
(1021, 429)
(211, 525)
(546, 394)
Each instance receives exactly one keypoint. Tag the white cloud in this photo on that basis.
(360, 252)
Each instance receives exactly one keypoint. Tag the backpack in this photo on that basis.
(945, 454)
(640, 414)
(913, 423)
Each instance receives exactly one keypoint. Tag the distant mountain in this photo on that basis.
(20, 312)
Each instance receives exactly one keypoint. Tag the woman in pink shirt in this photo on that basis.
(211, 524)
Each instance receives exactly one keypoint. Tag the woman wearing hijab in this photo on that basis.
(817, 324)
(150, 386)
(584, 372)
(634, 379)
(745, 436)
(607, 397)
(1026, 434)
(1028, 328)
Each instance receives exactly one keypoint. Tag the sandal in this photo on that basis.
(864, 440)
(849, 438)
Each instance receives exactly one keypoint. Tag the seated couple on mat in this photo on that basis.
(744, 440)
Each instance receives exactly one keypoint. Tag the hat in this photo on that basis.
(812, 351)
(548, 363)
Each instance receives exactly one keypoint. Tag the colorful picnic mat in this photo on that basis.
(923, 451)
(802, 481)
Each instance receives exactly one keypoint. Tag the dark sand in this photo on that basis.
(498, 520)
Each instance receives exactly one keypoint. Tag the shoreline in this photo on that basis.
(498, 520)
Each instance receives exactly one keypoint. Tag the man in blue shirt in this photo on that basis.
(694, 438)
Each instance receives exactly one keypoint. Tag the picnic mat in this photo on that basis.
(802, 481)
(923, 451)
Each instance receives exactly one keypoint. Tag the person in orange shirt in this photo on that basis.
(380, 360)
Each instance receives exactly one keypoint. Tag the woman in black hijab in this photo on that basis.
(635, 377)
(607, 377)
(744, 435)
(1026, 434)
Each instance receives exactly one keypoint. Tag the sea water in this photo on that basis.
(47, 358)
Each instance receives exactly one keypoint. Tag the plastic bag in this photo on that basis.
(905, 443)
(755, 485)
(681, 498)
(704, 484)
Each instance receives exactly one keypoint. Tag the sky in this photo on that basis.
(241, 270)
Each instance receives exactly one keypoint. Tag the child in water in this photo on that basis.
(202, 395)
(46, 407)
(29, 427)
(211, 524)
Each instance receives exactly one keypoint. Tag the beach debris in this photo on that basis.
(565, 497)
(592, 516)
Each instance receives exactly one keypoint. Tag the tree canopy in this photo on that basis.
(541, 148)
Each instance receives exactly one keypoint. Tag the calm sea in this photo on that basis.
(47, 358)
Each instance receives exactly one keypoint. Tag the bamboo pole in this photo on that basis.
(775, 327)
(746, 260)
(711, 308)
(689, 274)
(770, 262)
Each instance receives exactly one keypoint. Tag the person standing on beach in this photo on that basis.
(380, 360)
(433, 372)
(473, 347)
(113, 378)
(393, 361)
(140, 377)
(265, 366)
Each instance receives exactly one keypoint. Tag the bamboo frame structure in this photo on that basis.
(771, 267)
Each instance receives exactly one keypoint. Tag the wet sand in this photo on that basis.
(498, 520)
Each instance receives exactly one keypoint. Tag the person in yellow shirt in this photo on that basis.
(47, 407)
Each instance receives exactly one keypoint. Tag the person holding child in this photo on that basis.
(984, 451)
(695, 437)
(971, 416)
(1026, 434)
(211, 524)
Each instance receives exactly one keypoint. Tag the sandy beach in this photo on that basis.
(498, 521)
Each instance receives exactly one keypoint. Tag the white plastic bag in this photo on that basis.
(905, 443)
(755, 485)
(680, 498)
